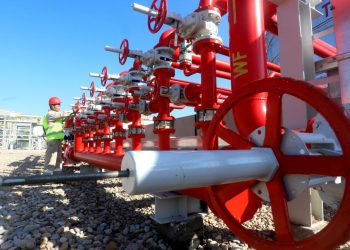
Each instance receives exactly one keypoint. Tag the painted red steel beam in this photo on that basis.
(105, 161)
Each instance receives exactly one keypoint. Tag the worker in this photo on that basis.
(53, 128)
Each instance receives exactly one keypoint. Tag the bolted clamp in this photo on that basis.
(136, 131)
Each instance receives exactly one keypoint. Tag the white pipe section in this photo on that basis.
(160, 171)
(342, 38)
(112, 49)
(96, 75)
(314, 138)
(144, 10)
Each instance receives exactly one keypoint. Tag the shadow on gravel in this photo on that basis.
(28, 166)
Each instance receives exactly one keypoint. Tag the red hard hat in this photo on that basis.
(54, 100)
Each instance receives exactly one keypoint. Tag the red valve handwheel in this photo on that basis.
(92, 89)
(104, 77)
(83, 99)
(338, 228)
(125, 47)
(158, 20)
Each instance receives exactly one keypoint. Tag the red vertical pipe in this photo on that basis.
(86, 143)
(91, 143)
(78, 143)
(98, 148)
(206, 48)
(119, 139)
(106, 142)
(163, 77)
(248, 59)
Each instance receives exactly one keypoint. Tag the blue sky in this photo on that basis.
(48, 48)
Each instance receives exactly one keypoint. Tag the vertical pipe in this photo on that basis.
(98, 148)
(163, 78)
(86, 143)
(91, 143)
(78, 144)
(248, 59)
(106, 142)
(342, 38)
(119, 139)
(208, 79)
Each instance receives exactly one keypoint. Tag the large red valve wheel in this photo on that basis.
(155, 23)
(337, 230)
(125, 47)
(83, 99)
(92, 89)
(104, 77)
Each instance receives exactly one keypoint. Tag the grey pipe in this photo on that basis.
(41, 179)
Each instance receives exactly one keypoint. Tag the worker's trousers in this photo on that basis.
(53, 147)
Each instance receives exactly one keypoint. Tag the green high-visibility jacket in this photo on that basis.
(54, 129)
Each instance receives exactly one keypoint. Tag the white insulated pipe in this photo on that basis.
(161, 171)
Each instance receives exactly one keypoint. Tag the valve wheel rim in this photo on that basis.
(83, 99)
(125, 47)
(104, 77)
(92, 89)
(158, 20)
(336, 231)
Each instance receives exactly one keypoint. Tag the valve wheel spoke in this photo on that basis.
(280, 210)
(273, 119)
(232, 138)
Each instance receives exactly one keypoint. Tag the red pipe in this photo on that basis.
(248, 57)
(323, 49)
(220, 5)
(91, 143)
(226, 67)
(118, 150)
(78, 143)
(163, 76)
(106, 161)
(106, 142)
(193, 69)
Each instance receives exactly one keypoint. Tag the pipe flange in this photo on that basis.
(107, 137)
(119, 134)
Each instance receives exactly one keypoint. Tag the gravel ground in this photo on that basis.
(83, 215)
(90, 215)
